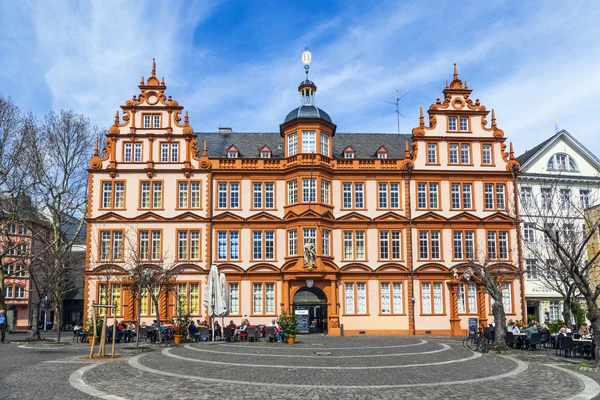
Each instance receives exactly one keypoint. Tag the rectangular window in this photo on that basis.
(503, 244)
(182, 301)
(269, 195)
(309, 234)
(361, 297)
(435, 244)
(174, 152)
(194, 299)
(462, 299)
(257, 195)
(546, 198)
(507, 297)
(326, 242)
(528, 232)
(467, 196)
(144, 246)
(257, 298)
(309, 190)
(432, 153)
(113, 198)
(347, 195)
(500, 203)
(269, 298)
(384, 245)
(354, 245)
(458, 245)
(111, 245)
(427, 192)
(455, 195)
(234, 298)
(325, 192)
(308, 141)
(424, 245)
(156, 245)
(146, 121)
(183, 195)
(555, 313)
(292, 144)
(492, 245)
(222, 195)
(453, 153)
(137, 152)
(325, 144)
(188, 245)
(228, 244)
(426, 298)
(349, 297)
(257, 245)
(565, 198)
(464, 158)
(464, 123)
(292, 242)
(584, 198)
(388, 195)
(470, 244)
(531, 269)
(233, 193)
(127, 152)
(486, 154)
(156, 121)
(438, 306)
(451, 123)
(151, 194)
(263, 245)
(292, 192)
(116, 298)
(182, 245)
(429, 245)
(465, 153)
(467, 298)
(164, 152)
(358, 195)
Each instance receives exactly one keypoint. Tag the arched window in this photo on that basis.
(19, 292)
(562, 162)
(8, 291)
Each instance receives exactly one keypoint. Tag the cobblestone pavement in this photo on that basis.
(316, 367)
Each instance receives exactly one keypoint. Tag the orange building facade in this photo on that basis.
(355, 233)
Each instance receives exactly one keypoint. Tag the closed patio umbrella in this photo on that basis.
(225, 293)
(213, 298)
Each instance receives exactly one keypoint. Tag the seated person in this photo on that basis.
(513, 328)
(532, 329)
(217, 329)
(544, 332)
(563, 332)
(584, 330)
(243, 330)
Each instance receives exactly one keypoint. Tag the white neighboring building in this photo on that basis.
(578, 170)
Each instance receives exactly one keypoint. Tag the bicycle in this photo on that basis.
(476, 342)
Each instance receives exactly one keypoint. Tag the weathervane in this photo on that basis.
(306, 58)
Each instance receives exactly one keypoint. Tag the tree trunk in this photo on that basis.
(158, 320)
(566, 313)
(500, 328)
(139, 318)
(58, 318)
(35, 320)
(593, 314)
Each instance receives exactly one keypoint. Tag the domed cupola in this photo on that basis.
(307, 90)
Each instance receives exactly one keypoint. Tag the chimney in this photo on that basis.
(223, 131)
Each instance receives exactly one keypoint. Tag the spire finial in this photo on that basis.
(466, 85)
(204, 152)
(96, 149)
(186, 119)
(142, 80)
(447, 84)
(154, 68)
(455, 72)
(493, 118)
(162, 81)
(117, 118)
(421, 118)
(512, 152)
(406, 151)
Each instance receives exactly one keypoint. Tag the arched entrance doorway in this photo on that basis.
(310, 306)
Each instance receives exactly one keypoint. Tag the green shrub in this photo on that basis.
(554, 327)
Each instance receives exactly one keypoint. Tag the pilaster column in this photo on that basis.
(454, 319)
(481, 306)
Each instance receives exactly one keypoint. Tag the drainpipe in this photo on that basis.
(409, 167)
(515, 172)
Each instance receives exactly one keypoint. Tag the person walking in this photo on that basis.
(3, 325)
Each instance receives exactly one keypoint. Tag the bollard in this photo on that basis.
(341, 329)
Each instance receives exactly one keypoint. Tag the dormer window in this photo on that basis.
(232, 152)
(349, 152)
(265, 152)
(382, 152)
(562, 162)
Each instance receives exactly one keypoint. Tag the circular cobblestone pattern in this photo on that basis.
(318, 367)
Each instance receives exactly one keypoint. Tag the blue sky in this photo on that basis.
(237, 63)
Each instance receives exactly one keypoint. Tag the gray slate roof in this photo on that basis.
(307, 112)
(249, 144)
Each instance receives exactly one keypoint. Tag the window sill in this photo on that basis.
(356, 315)
(392, 315)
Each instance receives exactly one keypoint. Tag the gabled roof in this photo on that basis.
(249, 144)
(529, 155)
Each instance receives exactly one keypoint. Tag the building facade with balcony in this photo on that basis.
(359, 232)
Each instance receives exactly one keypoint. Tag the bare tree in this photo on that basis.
(161, 283)
(566, 232)
(58, 155)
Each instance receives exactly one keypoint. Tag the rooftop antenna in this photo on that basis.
(397, 104)
(556, 128)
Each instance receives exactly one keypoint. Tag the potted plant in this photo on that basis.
(287, 322)
(89, 329)
(180, 328)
